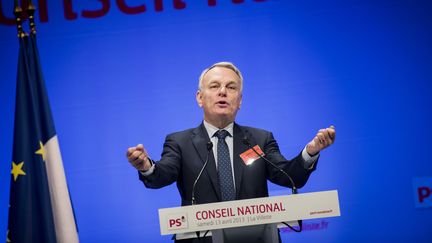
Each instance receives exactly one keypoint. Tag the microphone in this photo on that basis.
(294, 188)
(247, 143)
(209, 148)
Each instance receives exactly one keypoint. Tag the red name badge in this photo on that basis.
(249, 156)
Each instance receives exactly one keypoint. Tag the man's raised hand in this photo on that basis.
(323, 139)
(138, 157)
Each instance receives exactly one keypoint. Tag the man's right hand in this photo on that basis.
(138, 158)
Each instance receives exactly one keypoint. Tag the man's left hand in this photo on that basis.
(323, 139)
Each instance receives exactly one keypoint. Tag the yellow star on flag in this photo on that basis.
(17, 170)
(41, 151)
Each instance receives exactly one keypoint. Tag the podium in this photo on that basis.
(255, 218)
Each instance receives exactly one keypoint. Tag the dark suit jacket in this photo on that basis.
(184, 154)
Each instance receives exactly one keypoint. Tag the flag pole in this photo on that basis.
(31, 10)
(18, 18)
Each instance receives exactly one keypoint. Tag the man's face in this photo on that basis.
(220, 96)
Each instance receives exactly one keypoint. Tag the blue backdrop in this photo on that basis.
(118, 76)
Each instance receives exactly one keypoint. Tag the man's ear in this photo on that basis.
(241, 100)
(199, 98)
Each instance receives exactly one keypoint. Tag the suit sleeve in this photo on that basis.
(166, 170)
(294, 167)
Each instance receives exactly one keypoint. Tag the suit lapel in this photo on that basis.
(239, 165)
(200, 138)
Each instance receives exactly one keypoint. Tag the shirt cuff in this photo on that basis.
(149, 171)
(309, 161)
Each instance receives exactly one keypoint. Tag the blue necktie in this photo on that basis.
(224, 167)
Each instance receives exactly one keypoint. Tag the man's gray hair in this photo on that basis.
(228, 65)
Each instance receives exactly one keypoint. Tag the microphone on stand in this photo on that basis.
(209, 148)
(294, 188)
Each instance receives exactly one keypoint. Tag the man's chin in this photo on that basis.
(221, 116)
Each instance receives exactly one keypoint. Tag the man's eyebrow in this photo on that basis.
(233, 83)
(219, 82)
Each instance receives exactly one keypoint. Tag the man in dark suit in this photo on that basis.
(230, 173)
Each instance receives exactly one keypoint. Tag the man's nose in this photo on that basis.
(222, 90)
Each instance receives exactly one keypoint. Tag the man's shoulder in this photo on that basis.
(186, 133)
(253, 130)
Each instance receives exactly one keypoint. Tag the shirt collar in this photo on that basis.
(211, 130)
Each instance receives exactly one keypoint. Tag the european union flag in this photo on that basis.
(40, 208)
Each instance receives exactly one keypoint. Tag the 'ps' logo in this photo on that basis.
(177, 221)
